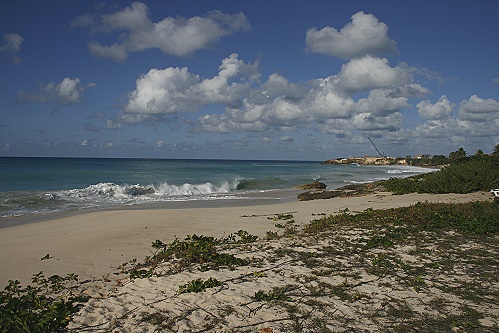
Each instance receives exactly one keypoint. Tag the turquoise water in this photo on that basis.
(43, 185)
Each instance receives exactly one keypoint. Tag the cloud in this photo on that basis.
(266, 139)
(171, 90)
(68, 91)
(176, 36)
(380, 103)
(12, 44)
(364, 35)
(476, 104)
(370, 73)
(479, 109)
(363, 122)
(326, 101)
(233, 120)
(440, 110)
(286, 138)
(477, 117)
(280, 103)
(369, 122)
(496, 80)
(455, 131)
(366, 97)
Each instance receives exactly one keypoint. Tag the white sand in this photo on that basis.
(91, 244)
(330, 287)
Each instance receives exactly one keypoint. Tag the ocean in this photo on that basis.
(35, 186)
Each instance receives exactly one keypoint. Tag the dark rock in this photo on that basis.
(139, 190)
(314, 195)
(314, 185)
(345, 191)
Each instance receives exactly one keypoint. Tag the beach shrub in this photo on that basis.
(479, 217)
(289, 227)
(136, 270)
(199, 285)
(326, 222)
(272, 235)
(45, 306)
(276, 294)
(242, 237)
(480, 173)
(193, 249)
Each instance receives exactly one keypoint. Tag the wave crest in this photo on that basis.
(258, 184)
(123, 192)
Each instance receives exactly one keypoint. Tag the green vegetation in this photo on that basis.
(194, 249)
(480, 217)
(479, 173)
(288, 226)
(199, 285)
(242, 237)
(276, 294)
(441, 160)
(46, 306)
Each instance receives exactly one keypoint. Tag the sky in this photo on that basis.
(233, 79)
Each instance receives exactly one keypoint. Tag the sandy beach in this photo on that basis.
(94, 244)
(91, 244)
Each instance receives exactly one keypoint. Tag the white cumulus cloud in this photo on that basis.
(441, 109)
(326, 101)
(380, 103)
(476, 104)
(479, 109)
(370, 73)
(365, 34)
(330, 105)
(171, 90)
(369, 122)
(68, 91)
(173, 35)
(282, 104)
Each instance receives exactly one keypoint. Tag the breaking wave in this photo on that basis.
(104, 195)
(117, 192)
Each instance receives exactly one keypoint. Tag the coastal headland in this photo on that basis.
(368, 160)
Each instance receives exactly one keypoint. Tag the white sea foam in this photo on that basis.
(109, 194)
(410, 170)
(115, 192)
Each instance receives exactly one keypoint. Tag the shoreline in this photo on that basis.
(27, 206)
(93, 244)
(237, 200)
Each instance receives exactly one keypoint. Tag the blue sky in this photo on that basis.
(301, 80)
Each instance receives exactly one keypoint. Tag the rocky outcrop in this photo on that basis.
(137, 190)
(314, 195)
(314, 185)
(345, 191)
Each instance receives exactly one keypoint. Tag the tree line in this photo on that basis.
(454, 157)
